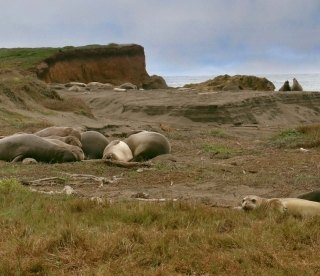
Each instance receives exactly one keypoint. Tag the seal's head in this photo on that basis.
(251, 202)
(117, 151)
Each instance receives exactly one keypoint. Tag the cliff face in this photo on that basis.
(115, 64)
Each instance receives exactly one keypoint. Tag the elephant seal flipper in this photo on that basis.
(17, 158)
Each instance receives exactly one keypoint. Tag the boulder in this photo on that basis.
(154, 82)
(234, 83)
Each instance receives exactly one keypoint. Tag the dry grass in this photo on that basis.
(307, 136)
(71, 236)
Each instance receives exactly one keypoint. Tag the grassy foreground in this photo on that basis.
(60, 235)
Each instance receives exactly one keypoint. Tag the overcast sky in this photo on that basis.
(180, 37)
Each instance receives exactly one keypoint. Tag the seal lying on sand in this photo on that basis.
(58, 131)
(117, 151)
(93, 144)
(293, 206)
(312, 196)
(17, 147)
(285, 86)
(147, 144)
(296, 86)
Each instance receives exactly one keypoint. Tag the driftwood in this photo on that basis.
(75, 178)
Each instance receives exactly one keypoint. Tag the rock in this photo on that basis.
(285, 86)
(128, 86)
(296, 86)
(234, 83)
(114, 63)
(154, 82)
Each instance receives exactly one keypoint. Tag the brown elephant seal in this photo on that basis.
(293, 206)
(285, 86)
(296, 85)
(19, 146)
(93, 144)
(71, 140)
(146, 145)
(117, 150)
(77, 151)
(58, 131)
(312, 196)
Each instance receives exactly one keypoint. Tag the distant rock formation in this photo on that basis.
(285, 86)
(234, 83)
(115, 64)
(296, 85)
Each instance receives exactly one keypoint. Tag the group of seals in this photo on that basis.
(139, 146)
(295, 86)
(293, 206)
(66, 144)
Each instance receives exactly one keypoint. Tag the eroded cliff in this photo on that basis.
(114, 63)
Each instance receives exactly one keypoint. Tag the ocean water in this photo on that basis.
(309, 82)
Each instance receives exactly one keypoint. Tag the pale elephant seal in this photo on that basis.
(293, 206)
(58, 131)
(71, 140)
(147, 144)
(17, 147)
(28, 161)
(93, 144)
(296, 85)
(285, 86)
(77, 151)
(312, 196)
(117, 151)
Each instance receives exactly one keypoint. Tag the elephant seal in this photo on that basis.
(93, 144)
(293, 206)
(19, 146)
(285, 86)
(58, 131)
(117, 150)
(296, 85)
(77, 151)
(146, 145)
(312, 196)
(71, 140)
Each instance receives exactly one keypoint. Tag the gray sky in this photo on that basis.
(180, 37)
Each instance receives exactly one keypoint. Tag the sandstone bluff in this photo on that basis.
(114, 64)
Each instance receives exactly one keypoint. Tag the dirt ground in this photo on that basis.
(221, 147)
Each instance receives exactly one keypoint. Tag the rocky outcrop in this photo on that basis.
(114, 64)
(234, 83)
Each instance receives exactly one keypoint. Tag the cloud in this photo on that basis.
(180, 37)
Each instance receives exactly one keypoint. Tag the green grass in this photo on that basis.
(28, 58)
(221, 151)
(304, 136)
(43, 235)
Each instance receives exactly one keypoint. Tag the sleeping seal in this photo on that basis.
(293, 206)
(93, 144)
(58, 131)
(77, 151)
(71, 140)
(19, 146)
(146, 145)
(117, 151)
